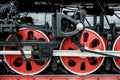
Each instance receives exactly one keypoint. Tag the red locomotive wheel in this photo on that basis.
(83, 65)
(116, 47)
(16, 63)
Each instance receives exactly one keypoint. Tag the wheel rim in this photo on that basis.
(16, 63)
(83, 65)
(116, 47)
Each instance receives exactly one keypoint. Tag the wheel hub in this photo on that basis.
(27, 48)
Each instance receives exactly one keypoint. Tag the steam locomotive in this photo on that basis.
(68, 43)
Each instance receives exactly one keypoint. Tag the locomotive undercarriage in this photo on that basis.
(67, 47)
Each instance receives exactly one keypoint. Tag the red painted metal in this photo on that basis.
(116, 47)
(52, 77)
(16, 63)
(83, 65)
(105, 41)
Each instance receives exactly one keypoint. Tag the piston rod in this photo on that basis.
(76, 53)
